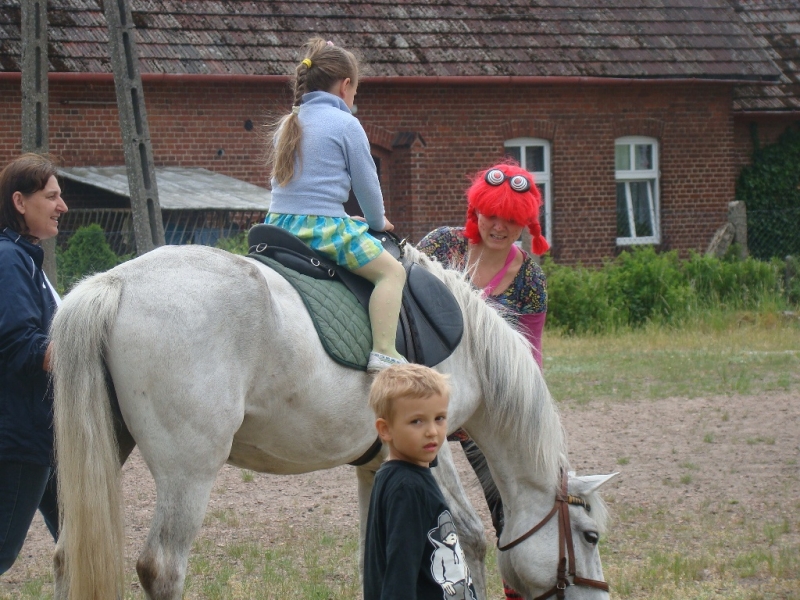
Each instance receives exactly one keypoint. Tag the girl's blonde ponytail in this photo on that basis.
(323, 65)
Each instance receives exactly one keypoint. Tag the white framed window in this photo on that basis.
(636, 173)
(533, 155)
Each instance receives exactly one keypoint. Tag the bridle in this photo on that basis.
(566, 550)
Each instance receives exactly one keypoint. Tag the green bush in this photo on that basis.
(642, 286)
(770, 188)
(648, 286)
(237, 244)
(773, 232)
(731, 283)
(578, 299)
(792, 279)
(87, 252)
(772, 180)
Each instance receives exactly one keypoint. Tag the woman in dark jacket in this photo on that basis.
(30, 206)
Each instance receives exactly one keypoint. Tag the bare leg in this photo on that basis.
(389, 277)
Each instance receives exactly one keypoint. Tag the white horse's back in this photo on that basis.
(209, 345)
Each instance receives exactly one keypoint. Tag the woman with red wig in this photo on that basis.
(501, 202)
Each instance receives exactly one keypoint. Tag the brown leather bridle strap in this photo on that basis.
(566, 550)
(525, 536)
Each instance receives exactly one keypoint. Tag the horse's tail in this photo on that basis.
(89, 481)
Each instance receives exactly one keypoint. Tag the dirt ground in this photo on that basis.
(739, 449)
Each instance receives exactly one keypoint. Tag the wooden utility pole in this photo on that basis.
(148, 226)
(35, 130)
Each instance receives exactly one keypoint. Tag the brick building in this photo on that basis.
(625, 114)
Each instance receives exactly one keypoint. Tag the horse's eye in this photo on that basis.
(592, 537)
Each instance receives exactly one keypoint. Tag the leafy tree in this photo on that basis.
(87, 252)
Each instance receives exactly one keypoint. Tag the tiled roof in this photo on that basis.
(548, 38)
(776, 25)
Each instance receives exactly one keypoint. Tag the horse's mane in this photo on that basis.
(517, 399)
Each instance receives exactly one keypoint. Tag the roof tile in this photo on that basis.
(621, 38)
(775, 24)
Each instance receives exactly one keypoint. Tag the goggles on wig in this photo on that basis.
(518, 183)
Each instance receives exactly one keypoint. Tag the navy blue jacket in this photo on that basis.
(26, 398)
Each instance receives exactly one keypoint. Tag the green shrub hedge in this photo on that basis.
(637, 287)
(87, 252)
(642, 286)
(237, 244)
(770, 188)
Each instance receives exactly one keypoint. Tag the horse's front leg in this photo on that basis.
(468, 524)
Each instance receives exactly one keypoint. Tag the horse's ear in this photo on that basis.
(586, 484)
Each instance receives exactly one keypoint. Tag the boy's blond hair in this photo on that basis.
(405, 381)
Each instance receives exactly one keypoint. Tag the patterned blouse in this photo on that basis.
(527, 294)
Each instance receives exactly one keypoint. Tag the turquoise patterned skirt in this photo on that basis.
(345, 241)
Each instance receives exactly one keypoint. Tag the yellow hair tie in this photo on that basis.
(307, 63)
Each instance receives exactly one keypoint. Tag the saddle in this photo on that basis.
(430, 325)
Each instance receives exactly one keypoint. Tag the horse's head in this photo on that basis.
(560, 553)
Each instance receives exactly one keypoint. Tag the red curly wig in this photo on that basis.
(502, 201)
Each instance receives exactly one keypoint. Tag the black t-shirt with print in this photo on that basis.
(412, 549)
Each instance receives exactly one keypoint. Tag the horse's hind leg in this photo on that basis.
(180, 508)
(468, 524)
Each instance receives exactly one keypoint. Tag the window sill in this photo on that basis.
(639, 241)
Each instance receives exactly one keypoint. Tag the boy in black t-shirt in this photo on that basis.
(412, 550)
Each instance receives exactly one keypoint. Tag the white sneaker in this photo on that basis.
(378, 362)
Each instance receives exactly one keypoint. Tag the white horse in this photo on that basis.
(212, 358)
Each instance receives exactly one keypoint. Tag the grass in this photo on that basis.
(661, 558)
(311, 563)
(658, 553)
(740, 353)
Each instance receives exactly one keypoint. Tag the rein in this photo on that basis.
(566, 549)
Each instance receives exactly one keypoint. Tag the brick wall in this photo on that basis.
(430, 139)
(189, 125)
(464, 129)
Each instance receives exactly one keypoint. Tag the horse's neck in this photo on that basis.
(527, 492)
(525, 488)
(525, 477)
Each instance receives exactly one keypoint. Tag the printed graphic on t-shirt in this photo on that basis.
(448, 565)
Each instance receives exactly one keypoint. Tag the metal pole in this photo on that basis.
(35, 130)
(148, 227)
